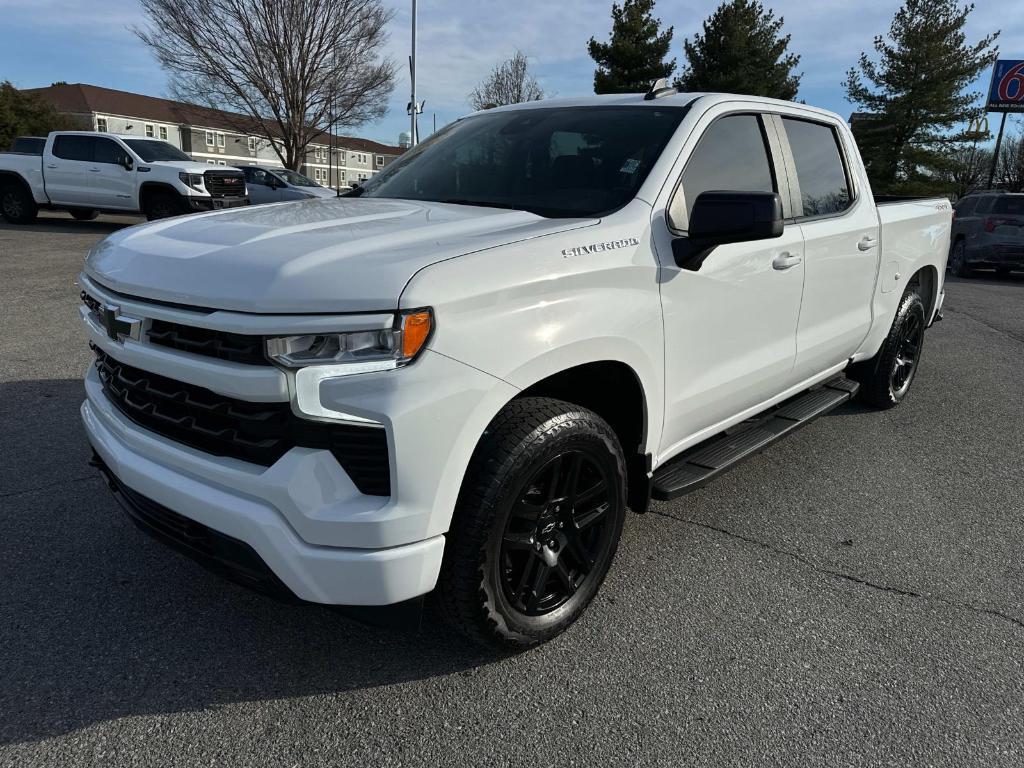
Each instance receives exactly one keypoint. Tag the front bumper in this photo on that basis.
(216, 203)
(244, 504)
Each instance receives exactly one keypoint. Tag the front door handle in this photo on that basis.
(51, 165)
(786, 260)
(867, 243)
(94, 170)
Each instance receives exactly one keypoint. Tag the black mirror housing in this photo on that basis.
(723, 217)
(127, 163)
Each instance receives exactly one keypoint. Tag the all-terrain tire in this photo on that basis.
(527, 437)
(162, 205)
(886, 378)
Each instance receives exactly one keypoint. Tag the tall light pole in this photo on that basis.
(413, 138)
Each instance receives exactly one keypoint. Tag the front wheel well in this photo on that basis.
(150, 188)
(612, 390)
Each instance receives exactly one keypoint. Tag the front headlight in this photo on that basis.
(357, 351)
(314, 358)
(193, 180)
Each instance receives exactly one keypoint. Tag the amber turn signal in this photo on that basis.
(416, 327)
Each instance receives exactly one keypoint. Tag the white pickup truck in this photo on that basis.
(460, 376)
(86, 173)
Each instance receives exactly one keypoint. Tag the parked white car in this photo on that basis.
(460, 376)
(278, 185)
(86, 173)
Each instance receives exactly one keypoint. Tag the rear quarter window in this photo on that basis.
(1009, 205)
(824, 185)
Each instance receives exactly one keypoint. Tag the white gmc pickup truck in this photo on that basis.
(86, 173)
(460, 376)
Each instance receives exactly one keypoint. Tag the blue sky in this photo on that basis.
(459, 41)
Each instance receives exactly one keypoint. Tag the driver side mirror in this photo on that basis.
(720, 218)
(127, 163)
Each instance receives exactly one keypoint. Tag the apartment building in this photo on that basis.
(214, 136)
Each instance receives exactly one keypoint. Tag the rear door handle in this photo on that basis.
(786, 260)
(94, 170)
(867, 243)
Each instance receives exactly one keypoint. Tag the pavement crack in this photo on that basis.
(55, 484)
(1001, 331)
(860, 581)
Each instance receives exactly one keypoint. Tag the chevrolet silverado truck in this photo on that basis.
(86, 173)
(457, 378)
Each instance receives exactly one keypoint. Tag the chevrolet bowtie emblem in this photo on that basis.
(119, 327)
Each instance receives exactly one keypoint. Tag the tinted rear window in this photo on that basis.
(73, 148)
(824, 188)
(1011, 205)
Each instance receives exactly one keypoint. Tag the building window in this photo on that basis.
(252, 143)
(149, 130)
(101, 124)
(380, 161)
(163, 132)
(209, 138)
(211, 162)
(221, 162)
(220, 140)
(342, 175)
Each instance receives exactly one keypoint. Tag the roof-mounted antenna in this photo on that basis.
(659, 88)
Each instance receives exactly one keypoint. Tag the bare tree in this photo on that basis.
(1010, 171)
(290, 68)
(510, 82)
(965, 168)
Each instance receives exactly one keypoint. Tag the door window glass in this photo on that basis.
(985, 204)
(107, 151)
(824, 188)
(730, 156)
(73, 148)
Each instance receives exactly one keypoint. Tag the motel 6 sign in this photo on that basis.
(1006, 93)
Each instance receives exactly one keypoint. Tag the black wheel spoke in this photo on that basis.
(587, 519)
(555, 532)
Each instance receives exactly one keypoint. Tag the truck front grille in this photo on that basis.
(259, 433)
(236, 347)
(224, 183)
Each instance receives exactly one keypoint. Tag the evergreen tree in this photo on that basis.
(915, 92)
(28, 114)
(741, 50)
(634, 56)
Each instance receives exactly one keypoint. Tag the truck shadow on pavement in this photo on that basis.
(98, 622)
(67, 225)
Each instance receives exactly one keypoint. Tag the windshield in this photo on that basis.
(154, 151)
(556, 162)
(293, 178)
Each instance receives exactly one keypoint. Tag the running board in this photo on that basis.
(702, 463)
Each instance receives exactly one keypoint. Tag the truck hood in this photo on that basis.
(188, 167)
(326, 255)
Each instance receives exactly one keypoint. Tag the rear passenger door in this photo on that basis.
(66, 175)
(839, 226)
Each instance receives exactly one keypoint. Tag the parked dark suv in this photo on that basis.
(988, 233)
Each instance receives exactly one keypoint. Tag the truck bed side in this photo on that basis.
(914, 237)
(27, 168)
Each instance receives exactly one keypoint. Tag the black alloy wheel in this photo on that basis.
(958, 261)
(17, 205)
(908, 353)
(556, 532)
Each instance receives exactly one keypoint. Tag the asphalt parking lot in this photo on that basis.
(852, 596)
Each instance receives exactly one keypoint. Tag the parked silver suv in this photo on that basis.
(988, 233)
(275, 185)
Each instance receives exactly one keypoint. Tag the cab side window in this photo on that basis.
(73, 148)
(824, 186)
(109, 151)
(732, 155)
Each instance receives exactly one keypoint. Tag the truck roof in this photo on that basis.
(668, 100)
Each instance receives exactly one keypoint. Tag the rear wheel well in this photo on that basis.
(926, 281)
(9, 177)
(612, 390)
